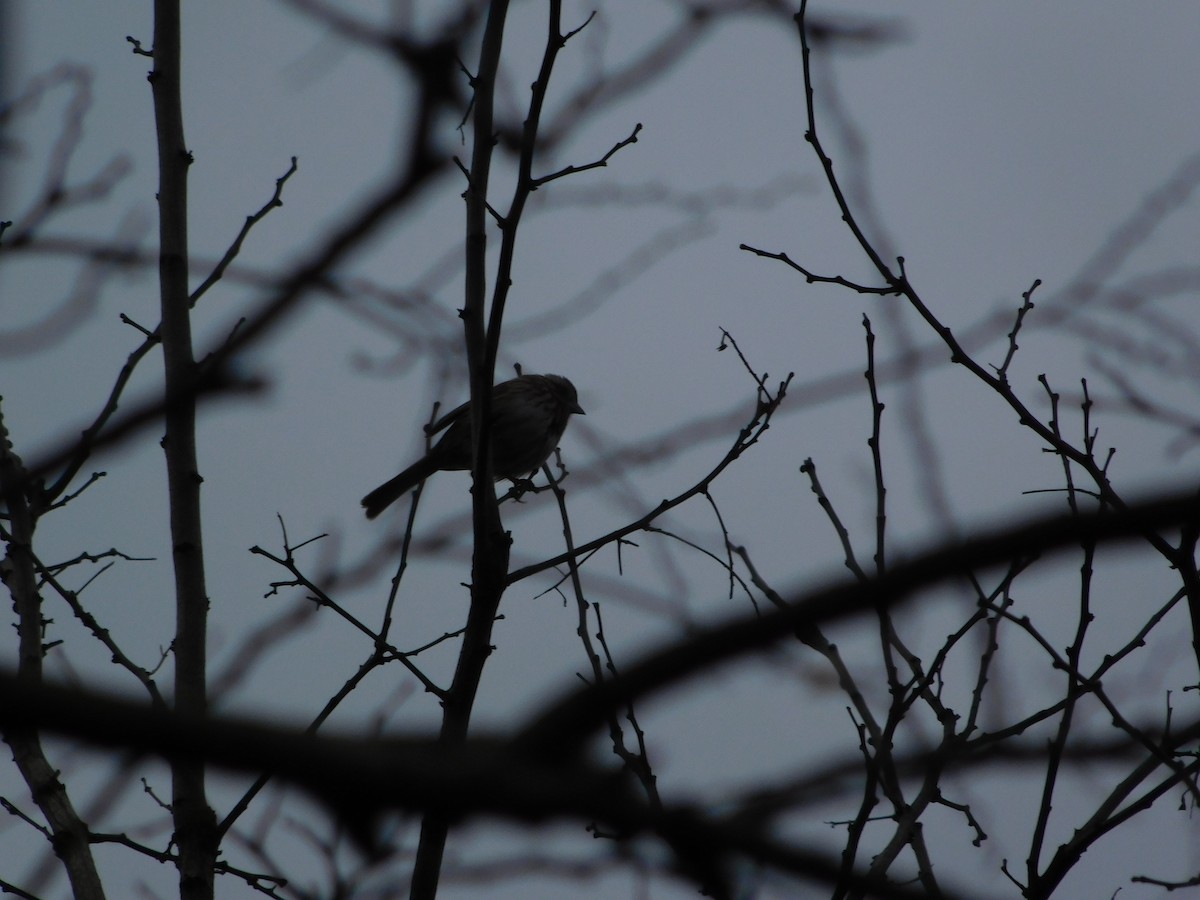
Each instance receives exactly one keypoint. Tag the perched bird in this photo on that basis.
(529, 415)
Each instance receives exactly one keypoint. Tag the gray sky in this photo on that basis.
(1004, 143)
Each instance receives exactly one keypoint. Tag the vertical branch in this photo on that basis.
(195, 827)
(635, 761)
(525, 180)
(489, 563)
(70, 839)
(887, 631)
(1185, 562)
(876, 453)
(480, 363)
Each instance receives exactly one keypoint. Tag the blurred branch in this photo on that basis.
(568, 722)
(55, 194)
(423, 161)
(358, 780)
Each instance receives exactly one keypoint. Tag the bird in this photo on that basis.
(528, 417)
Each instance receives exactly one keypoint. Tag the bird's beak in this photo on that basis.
(577, 409)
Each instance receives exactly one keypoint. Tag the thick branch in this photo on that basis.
(491, 544)
(572, 720)
(195, 831)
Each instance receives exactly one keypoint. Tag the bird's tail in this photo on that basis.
(392, 490)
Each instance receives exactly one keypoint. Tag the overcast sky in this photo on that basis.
(1003, 143)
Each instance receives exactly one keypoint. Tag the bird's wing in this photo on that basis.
(461, 412)
(449, 418)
